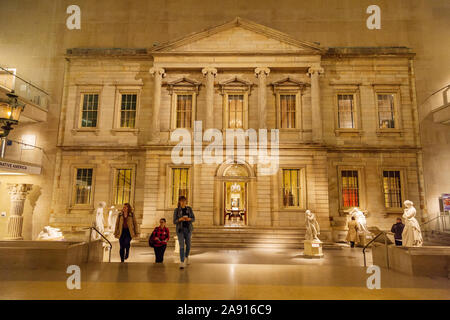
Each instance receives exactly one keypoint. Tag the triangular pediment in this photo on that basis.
(239, 36)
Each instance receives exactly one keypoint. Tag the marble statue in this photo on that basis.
(412, 235)
(99, 219)
(312, 226)
(112, 217)
(50, 233)
(361, 221)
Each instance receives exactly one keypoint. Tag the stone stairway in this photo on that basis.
(436, 238)
(244, 237)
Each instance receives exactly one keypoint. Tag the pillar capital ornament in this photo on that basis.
(19, 191)
(315, 70)
(210, 70)
(262, 71)
(157, 71)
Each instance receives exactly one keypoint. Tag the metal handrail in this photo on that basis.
(435, 218)
(385, 233)
(26, 81)
(89, 242)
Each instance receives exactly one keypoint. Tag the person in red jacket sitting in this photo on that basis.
(160, 237)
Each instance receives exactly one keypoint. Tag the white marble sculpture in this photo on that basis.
(99, 219)
(50, 233)
(361, 221)
(112, 217)
(412, 235)
(312, 226)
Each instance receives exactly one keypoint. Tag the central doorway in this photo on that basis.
(235, 206)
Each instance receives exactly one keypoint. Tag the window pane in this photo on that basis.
(83, 186)
(291, 188)
(392, 189)
(236, 111)
(346, 111)
(89, 111)
(386, 111)
(350, 188)
(287, 109)
(128, 111)
(180, 184)
(122, 192)
(184, 111)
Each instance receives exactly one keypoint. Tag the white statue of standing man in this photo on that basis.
(411, 235)
(312, 226)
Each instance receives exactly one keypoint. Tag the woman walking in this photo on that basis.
(183, 217)
(159, 239)
(126, 229)
(352, 235)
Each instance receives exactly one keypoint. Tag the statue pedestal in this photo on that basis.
(312, 249)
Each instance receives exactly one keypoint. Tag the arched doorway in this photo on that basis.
(234, 195)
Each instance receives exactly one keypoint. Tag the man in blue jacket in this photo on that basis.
(397, 229)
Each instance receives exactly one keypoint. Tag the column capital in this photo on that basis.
(314, 70)
(211, 70)
(19, 191)
(262, 70)
(154, 71)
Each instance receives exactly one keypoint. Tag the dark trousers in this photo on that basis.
(352, 244)
(398, 242)
(159, 253)
(124, 241)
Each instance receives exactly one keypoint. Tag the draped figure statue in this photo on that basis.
(312, 226)
(411, 235)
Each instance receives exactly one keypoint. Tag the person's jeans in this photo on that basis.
(124, 241)
(184, 236)
(398, 242)
(159, 253)
(352, 244)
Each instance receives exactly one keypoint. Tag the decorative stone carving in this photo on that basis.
(312, 226)
(261, 74)
(18, 193)
(412, 234)
(50, 233)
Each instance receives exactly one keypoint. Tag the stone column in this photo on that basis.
(261, 74)
(18, 193)
(158, 74)
(210, 74)
(314, 73)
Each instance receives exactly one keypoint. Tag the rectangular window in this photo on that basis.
(346, 111)
(291, 188)
(123, 186)
(236, 111)
(180, 184)
(128, 111)
(89, 110)
(184, 111)
(83, 186)
(386, 113)
(287, 109)
(392, 189)
(350, 188)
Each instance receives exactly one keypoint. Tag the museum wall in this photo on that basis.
(34, 40)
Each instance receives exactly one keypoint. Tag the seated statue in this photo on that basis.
(50, 233)
(312, 226)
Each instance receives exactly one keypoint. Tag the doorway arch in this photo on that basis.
(236, 173)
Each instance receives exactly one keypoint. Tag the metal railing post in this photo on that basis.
(89, 243)
(387, 249)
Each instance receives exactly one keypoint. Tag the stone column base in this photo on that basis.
(312, 249)
(14, 228)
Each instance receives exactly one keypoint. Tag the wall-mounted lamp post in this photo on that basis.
(10, 110)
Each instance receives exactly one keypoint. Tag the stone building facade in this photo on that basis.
(347, 120)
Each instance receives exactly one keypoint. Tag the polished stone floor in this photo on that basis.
(224, 274)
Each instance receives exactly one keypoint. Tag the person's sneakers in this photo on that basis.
(187, 261)
(182, 265)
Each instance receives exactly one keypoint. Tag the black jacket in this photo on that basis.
(397, 229)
